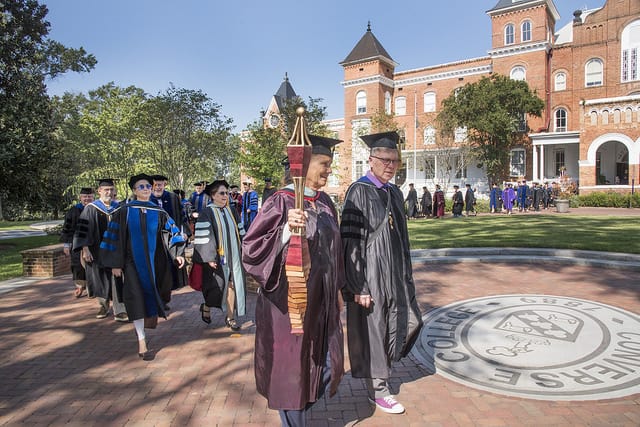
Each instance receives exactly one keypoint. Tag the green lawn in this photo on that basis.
(16, 225)
(10, 258)
(597, 233)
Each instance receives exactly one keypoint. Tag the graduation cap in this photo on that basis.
(140, 177)
(285, 163)
(267, 180)
(108, 182)
(216, 184)
(86, 190)
(323, 145)
(159, 178)
(382, 140)
(196, 184)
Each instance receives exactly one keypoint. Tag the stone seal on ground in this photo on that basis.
(534, 346)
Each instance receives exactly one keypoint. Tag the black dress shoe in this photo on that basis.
(147, 355)
(205, 315)
(231, 323)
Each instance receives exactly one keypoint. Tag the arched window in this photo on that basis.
(387, 103)
(593, 72)
(401, 106)
(628, 114)
(594, 118)
(630, 44)
(429, 102)
(561, 120)
(509, 31)
(526, 31)
(616, 116)
(361, 102)
(518, 73)
(605, 117)
(560, 82)
(429, 135)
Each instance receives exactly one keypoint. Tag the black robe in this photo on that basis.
(91, 227)
(66, 236)
(140, 238)
(378, 263)
(288, 367)
(205, 250)
(458, 203)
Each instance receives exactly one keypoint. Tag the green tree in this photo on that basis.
(187, 137)
(492, 110)
(27, 59)
(263, 149)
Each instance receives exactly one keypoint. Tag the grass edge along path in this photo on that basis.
(10, 257)
(593, 233)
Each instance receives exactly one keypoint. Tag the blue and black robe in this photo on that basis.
(140, 238)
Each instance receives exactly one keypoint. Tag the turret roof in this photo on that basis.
(367, 48)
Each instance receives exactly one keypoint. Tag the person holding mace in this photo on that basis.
(294, 367)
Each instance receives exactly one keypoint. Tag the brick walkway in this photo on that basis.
(60, 365)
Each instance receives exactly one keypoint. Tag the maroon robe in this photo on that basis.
(288, 367)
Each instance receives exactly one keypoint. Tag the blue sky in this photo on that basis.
(237, 52)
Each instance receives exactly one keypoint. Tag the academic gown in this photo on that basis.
(378, 263)
(140, 238)
(458, 203)
(91, 227)
(412, 203)
(206, 247)
(66, 236)
(438, 203)
(288, 367)
(171, 203)
(426, 203)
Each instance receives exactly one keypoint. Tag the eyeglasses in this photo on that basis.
(387, 162)
(223, 193)
(144, 187)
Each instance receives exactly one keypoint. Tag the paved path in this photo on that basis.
(61, 366)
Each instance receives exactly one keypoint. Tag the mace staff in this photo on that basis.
(298, 261)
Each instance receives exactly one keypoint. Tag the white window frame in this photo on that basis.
(387, 102)
(560, 120)
(429, 135)
(361, 102)
(520, 168)
(594, 72)
(429, 99)
(560, 81)
(401, 106)
(525, 31)
(509, 34)
(518, 73)
(630, 50)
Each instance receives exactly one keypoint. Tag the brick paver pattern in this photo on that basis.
(61, 366)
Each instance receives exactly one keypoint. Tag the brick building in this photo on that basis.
(586, 72)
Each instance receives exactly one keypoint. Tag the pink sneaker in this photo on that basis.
(388, 404)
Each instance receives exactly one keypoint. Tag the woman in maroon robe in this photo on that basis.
(293, 370)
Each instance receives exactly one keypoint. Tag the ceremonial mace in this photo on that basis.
(298, 261)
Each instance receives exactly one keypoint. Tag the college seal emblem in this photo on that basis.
(534, 346)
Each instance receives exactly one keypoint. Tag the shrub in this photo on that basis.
(608, 200)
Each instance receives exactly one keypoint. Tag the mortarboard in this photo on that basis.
(323, 145)
(140, 177)
(105, 182)
(215, 184)
(382, 140)
(86, 190)
(267, 180)
(159, 178)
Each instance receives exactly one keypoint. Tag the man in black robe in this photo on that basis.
(172, 204)
(68, 230)
(458, 202)
(426, 202)
(91, 227)
(412, 202)
(383, 318)
(268, 191)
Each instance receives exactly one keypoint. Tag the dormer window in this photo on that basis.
(509, 37)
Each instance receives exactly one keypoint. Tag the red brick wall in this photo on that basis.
(46, 261)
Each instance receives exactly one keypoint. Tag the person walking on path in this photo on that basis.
(91, 227)
(69, 228)
(426, 202)
(438, 202)
(508, 197)
(217, 249)
(469, 201)
(293, 370)
(383, 318)
(412, 203)
(139, 240)
(458, 202)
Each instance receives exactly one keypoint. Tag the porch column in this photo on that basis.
(542, 169)
(535, 163)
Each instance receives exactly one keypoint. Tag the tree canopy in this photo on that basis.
(493, 111)
(27, 59)
(264, 148)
